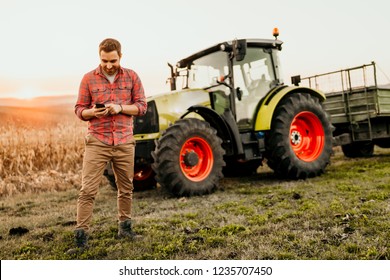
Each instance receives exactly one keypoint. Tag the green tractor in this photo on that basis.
(227, 112)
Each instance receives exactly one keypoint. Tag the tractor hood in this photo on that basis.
(169, 107)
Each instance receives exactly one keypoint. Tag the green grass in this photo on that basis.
(343, 215)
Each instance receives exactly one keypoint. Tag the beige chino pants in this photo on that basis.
(96, 156)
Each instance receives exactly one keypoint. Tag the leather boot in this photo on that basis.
(81, 241)
(125, 230)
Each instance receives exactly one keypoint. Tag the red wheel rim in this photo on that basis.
(196, 159)
(307, 137)
(144, 173)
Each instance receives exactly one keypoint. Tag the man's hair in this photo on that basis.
(109, 45)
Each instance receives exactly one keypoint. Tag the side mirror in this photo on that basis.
(239, 49)
(295, 80)
(172, 79)
(239, 93)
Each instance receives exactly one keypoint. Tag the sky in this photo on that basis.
(46, 46)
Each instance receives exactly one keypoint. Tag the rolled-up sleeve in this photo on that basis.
(84, 98)
(138, 95)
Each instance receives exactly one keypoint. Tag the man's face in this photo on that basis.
(110, 62)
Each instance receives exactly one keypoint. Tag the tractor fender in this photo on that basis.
(225, 125)
(269, 103)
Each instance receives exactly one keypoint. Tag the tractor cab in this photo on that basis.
(238, 74)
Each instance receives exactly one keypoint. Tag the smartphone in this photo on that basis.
(99, 105)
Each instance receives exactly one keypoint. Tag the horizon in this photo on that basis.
(38, 101)
(36, 64)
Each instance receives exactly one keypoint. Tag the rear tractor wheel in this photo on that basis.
(299, 144)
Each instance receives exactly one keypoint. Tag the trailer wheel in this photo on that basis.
(358, 149)
(299, 144)
(143, 177)
(188, 158)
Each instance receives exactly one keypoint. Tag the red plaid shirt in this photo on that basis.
(126, 89)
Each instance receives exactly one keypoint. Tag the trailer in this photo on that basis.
(359, 108)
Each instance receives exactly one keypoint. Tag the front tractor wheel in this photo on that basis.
(299, 144)
(188, 158)
(143, 177)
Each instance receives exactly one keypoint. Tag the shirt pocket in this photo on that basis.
(124, 87)
(99, 93)
(124, 91)
(98, 89)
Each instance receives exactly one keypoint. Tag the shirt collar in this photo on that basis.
(99, 71)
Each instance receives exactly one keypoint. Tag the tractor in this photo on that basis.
(229, 111)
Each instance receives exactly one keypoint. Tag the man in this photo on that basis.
(119, 93)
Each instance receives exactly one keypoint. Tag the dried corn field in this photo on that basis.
(40, 149)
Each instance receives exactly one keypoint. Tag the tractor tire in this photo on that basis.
(143, 177)
(188, 158)
(299, 144)
(358, 149)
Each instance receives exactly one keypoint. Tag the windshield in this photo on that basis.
(255, 76)
(205, 71)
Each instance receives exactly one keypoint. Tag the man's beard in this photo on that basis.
(110, 71)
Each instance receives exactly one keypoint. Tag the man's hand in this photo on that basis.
(113, 109)
(100, 112)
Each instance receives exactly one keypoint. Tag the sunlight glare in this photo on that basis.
(27, 93)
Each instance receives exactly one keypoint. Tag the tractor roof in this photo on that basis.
(260, 43)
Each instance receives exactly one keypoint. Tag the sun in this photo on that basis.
(27, 93)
